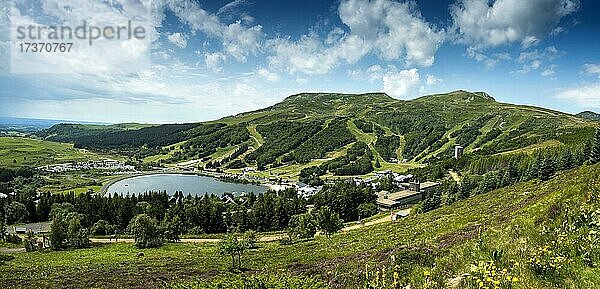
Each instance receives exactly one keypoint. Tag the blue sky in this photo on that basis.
(208, 59)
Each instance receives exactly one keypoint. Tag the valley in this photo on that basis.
(365, 190)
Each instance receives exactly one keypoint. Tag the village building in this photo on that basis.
(412, 194)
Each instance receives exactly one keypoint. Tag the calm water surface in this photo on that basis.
(192, 184)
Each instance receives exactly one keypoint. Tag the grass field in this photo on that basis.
(439, 246)
(16, 152)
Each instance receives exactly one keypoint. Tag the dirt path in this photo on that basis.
(269, 238)
(12, 250)
(129, 240)
(387, 218)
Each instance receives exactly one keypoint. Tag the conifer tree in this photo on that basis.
(595, 153)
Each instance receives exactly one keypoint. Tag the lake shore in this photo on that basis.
(105, 189)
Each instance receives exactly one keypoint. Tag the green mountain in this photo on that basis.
(345, 134)
(589, 115)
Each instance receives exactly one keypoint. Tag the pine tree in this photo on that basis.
(595, 152)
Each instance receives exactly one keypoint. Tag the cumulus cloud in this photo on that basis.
(534, 59)
(490, 61)
(214, 60)
(401, 84)
(391, 30)
(372, 73)
(549, 71)
(586, 96)
(268, 75)
(178, 39)
(238, 40)
(481, 23)
(592, 69)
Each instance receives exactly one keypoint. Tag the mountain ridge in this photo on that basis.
(307, 129)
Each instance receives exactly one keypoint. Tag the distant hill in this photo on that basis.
(31, 124)
(344, 133)
(589, 115)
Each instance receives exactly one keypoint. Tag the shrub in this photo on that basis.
(233, 247)
(250, 238)
(16, 213)
(145, 232)
(30, 242)
(102, 228)
(302, 226)
(14, 239)
(66, 231)
(547, 261)
(366, 210)
(490, 275)
(328, 221)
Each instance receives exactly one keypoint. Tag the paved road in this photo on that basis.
(370, 223)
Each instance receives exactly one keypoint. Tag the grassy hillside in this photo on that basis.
(16, 152)
(288, 136)
(530, 235)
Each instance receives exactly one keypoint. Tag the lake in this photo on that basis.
(171, 183)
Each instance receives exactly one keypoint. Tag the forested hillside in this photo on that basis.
(308, 129)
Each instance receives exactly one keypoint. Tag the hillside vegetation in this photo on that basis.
(23, 152)
(530, 235)
(305, 129)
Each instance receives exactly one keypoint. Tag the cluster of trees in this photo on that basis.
(197, 214)
(421, 128)
(281, 137)
(305, 226)
(206, 139)
(332, 137)
(154, 136)
(67, 230)
(484, 174)
(236, 164)
(357, 161)
(345, 198)
(365, 126)
(471, 131)
(387, 147)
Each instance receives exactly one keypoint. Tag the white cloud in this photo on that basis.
(592, 68)
(372, 73)
(268, 75)
(392, 30)
(586, 96)
(231, 6)
(214, 60)
(238, 40)
(549, 71)
(507, 21)
(534, 59)
(401, 84)
(490, 61)
(178, 39)
(432, 80)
